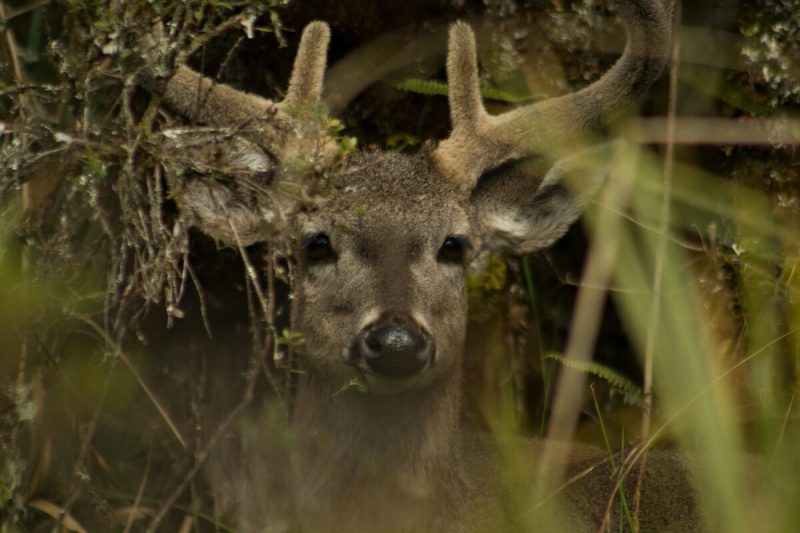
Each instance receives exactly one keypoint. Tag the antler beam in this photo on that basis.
(265, 122)
(202, 99)
(480, 141)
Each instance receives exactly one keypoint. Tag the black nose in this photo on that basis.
(395, 346)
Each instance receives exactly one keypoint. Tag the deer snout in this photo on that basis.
(395, 346)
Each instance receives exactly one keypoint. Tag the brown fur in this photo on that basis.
(399, 457)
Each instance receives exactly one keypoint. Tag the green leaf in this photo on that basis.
(354, 383)
(291, 338)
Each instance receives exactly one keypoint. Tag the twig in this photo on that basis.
(785, 423)
(606, 522)
(200, 297)
(221, 28)
(291, 374)
(25, 204)
(14, 13)
(252, 376)
(663, 229)
(139, 493)
(118, 351)
(683, 243)
(49, 508)
(86, 440)
(250, 269)
(12, 49)
(25, 197)
(661, 254)
(566, 484)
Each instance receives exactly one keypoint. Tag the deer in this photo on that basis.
(382, 242)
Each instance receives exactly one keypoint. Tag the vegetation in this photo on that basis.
(131, 346)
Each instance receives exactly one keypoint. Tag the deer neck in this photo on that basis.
(361, 435)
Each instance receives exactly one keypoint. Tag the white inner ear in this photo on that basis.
(509, 226)
(537, 230)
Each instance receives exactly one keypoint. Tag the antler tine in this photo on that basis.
(480, 141)
(305, 85)
(202, 99)
(467, 113)
(466, 107)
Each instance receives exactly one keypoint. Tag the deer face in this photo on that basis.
(381, 286)
(382, 282)
(381, 292)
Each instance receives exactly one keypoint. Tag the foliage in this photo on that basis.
(438, 88)
(113, 309)
(772, 48)
(631, 392)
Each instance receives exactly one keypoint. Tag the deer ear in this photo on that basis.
(220, 182)
(517, 210)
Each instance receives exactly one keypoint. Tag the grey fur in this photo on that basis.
(399, 458)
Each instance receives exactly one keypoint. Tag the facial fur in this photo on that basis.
(390, 218)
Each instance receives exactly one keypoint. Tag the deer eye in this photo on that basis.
(453, 250)
(318, 248)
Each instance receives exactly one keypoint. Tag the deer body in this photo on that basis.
(380, 289)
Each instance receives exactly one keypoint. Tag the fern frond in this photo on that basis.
(420, 86)
(632, 393)
(439, 88)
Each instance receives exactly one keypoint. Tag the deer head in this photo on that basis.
(382, 240)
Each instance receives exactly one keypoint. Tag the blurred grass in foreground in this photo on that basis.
(96, 431)
(730, 403)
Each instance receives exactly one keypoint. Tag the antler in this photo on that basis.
(286, 129)
(262, 147)
(480, 141)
